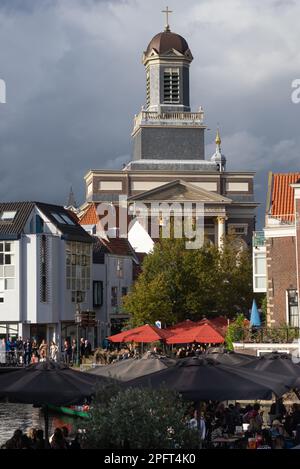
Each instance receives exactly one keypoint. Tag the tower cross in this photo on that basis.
(167, 12)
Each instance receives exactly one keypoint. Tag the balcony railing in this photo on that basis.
(267, 335)
(284, 219)
(259, 239)
(148, 117)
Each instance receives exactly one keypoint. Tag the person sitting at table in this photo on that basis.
(217, 430)
(277, 429)
(254, 414)
(266, 440)
(254, 427)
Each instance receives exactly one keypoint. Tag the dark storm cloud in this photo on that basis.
(75, 80)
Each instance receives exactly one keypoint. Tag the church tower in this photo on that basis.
(166, 129)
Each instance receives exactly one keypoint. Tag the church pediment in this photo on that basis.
(180, 191)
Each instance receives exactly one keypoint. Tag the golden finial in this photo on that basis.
(218, 138)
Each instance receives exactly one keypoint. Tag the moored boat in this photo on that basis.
(75, 411)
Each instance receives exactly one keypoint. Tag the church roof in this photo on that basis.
(181, 191)
(165, 41)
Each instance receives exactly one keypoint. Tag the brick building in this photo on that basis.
(276, 250)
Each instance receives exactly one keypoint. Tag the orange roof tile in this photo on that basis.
(90, 216)
(282, 198)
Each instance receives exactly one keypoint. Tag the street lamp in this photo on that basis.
(78, 322)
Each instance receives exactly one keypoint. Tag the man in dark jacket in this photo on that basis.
(82, 347)
(27, 352)
(87, 348)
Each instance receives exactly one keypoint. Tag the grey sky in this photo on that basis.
(74, 81)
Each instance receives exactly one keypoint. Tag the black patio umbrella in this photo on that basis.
(232, 358)
(280, 364)
(47, 383)
(130, 368)
(203, 379)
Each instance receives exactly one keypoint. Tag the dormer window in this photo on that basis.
(62, 218)
(171, 86)
(8, 215)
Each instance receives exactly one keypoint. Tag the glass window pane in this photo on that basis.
(294, 316)
(260, 282)
(9, 271)
(7, 247)
(7, 259)
(1, 258)
(9, 284)
(1, 247)
(260, 265)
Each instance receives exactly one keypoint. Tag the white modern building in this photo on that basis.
(45, 271)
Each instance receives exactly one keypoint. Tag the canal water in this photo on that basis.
(25, 416)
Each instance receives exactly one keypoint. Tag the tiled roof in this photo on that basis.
(14, 228)
(119, 246)
(90, 216)
(70, 232)
(116, 246)
(282, 195)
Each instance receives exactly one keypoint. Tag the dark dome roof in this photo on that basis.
(167, 40)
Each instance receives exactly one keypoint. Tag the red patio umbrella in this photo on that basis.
(184, 325)
(220, 324)
(146, 333)
(203, 333)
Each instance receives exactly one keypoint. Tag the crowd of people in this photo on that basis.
(34, 439)
(17, 352)
(216, 422)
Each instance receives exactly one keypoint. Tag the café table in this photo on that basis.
(224, 442)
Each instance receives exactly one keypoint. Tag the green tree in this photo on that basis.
(178, 283)
(235, 331)
(139, 419)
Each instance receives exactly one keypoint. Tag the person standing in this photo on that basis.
(2, 351)
(87, 348)
(53, 351)
(20, 350)
(27, 348)
(67, 352)
(43, 349)
(11, 351)
(35, 352)
(74, 351)
(82, 347)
